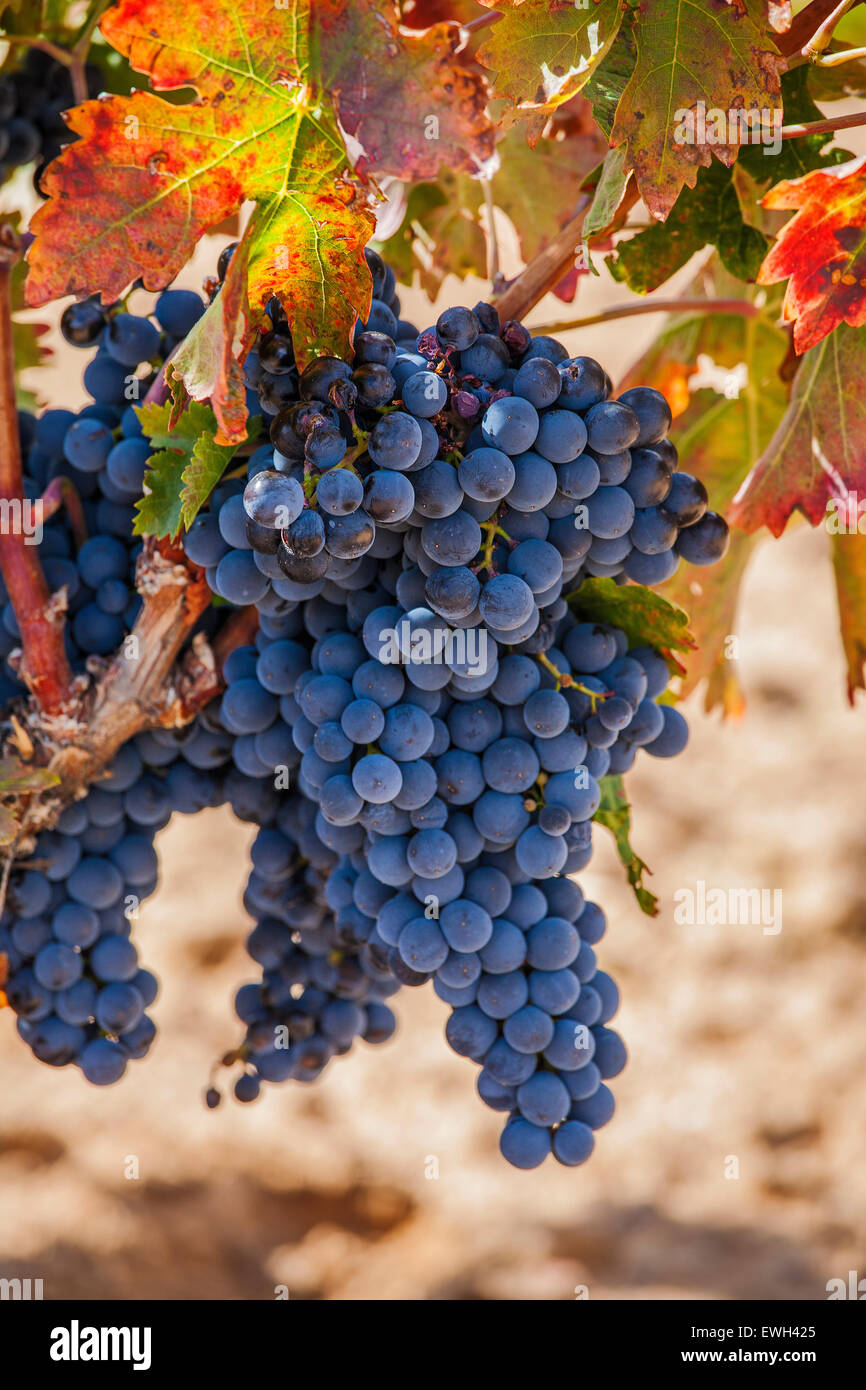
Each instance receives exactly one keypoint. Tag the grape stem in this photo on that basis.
(62, 492)
(208, 681)
(835, 60)
(44, 666)
(54, 50)
(8, 862)
(473, 25)
(158, 678)
(491, 530)
(566, 682)
(150, 682)
(494, 273)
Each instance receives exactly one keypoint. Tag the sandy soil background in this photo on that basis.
(733, 1166)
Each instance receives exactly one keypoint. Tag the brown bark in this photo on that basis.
(40, 614)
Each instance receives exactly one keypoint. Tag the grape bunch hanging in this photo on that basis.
(420, 725)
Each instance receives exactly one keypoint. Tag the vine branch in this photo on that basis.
(555, 260)
(654, 306)
(806, 25)
(149, 682)
(794, 132)
(74, 59)
(824, 33)
(44, 666)
(544, 271)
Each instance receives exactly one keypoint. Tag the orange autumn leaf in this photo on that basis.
(275, 87)
(131, 197)
(821, 252)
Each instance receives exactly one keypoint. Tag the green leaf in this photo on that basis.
(708, 213)
(156, 423)
(159, 511)
(16, 777)
(615, 813)
(610, 79)
(609, 193)
(45, 17)
(537, 187)
(424, 200)
(184, 470)
(204, 470)
(542, 53)
(440, 234)
(647, 619)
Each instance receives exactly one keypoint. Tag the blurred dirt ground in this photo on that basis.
(733, 1166)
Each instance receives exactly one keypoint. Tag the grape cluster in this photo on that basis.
(383, 458)
(73, 976)
(422, 724)
(322, 986)
(32, 102)
(429, 841)
(71, 971)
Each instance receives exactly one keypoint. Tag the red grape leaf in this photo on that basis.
(715, 53)
(737, 398)
(848, 550)
(818, 452)
(205, 367)
(412, 102)
(821, 252)
(543, 51)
